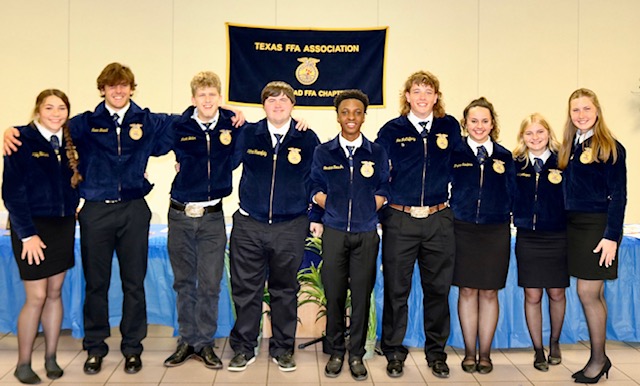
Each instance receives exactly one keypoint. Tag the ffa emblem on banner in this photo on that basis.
(135, 131)
(307, 72)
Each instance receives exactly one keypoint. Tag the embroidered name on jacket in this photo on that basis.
(189, 138)
(333, 167)
(405, 139)
(99, 130)
(463, 165)
(261, 153)
(38, 154)
(527, 175)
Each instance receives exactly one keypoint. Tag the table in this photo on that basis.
(622, 295)
(158, 285)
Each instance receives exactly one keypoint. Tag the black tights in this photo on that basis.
(533, 313)
(591, 293)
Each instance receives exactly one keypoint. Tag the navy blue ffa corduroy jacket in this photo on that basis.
(113, 165)
(205, 159)
(419, 179)
(274, 189)
(598, 187)
(351, 203)
(538, 203)
(35, 184)
(482, 196)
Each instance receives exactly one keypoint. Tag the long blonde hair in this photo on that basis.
(603, 142)
(521, 152)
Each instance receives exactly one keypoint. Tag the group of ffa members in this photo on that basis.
(444, 201)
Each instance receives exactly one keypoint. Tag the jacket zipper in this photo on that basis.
(424, 170)
(208, 165)
(350, 193)
(273, 181)
(119, 160)
(480, 194)
(535, 202)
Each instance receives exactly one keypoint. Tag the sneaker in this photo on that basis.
(285, 362)
(240, 362)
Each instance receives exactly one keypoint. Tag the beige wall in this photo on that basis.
(525, 56)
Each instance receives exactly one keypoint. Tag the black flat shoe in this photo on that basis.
(93, 364)
(132, 364)
(581, 378)
(53, 370)
(25, 374)
(334, 366)
(394, 368)
(539, 361)
(469, 365)
(484, 366)
(554, 348)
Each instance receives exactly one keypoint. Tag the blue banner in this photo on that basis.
(318, 64)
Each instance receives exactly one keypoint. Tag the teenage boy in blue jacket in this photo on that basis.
(204, 137)
(417, 225)
(269, 228)
(350, 179)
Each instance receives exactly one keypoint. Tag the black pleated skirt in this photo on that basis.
(584, 232)
(542, 259)
(482, 255)
(58, 234)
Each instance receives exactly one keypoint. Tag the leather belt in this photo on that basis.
(192, 210)
(420, 211)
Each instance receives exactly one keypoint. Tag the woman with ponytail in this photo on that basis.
(39, 192)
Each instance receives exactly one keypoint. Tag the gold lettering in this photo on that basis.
(261, 46)
(99, 130)
(333, 167)
(261, 153)
(405, 139)
(189, 138)
(463, 165)
(38, 154)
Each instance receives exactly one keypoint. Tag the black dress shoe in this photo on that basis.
(394, 368)
(93, 364)
(285, 362)
(132, 363)
(209, 358)
(439, 368)
(182, 353)
(334, 366)
(358, 370)
(539, 360)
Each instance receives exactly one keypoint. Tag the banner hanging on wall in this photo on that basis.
(318, 64)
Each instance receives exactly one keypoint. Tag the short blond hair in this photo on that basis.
(205, 79)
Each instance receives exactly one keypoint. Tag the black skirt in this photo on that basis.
(584, 232)
(542, 259)
(58, 234)
(482, 255)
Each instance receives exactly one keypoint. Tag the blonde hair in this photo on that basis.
(422, 78)
(603, 143)
(205, 79)
(482, 102)
(521, 152)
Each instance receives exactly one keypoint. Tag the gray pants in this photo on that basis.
(196, 250)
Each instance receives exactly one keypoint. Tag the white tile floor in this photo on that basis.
(511, 367)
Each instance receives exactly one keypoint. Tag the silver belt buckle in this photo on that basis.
(193, 210)
(419, 211)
